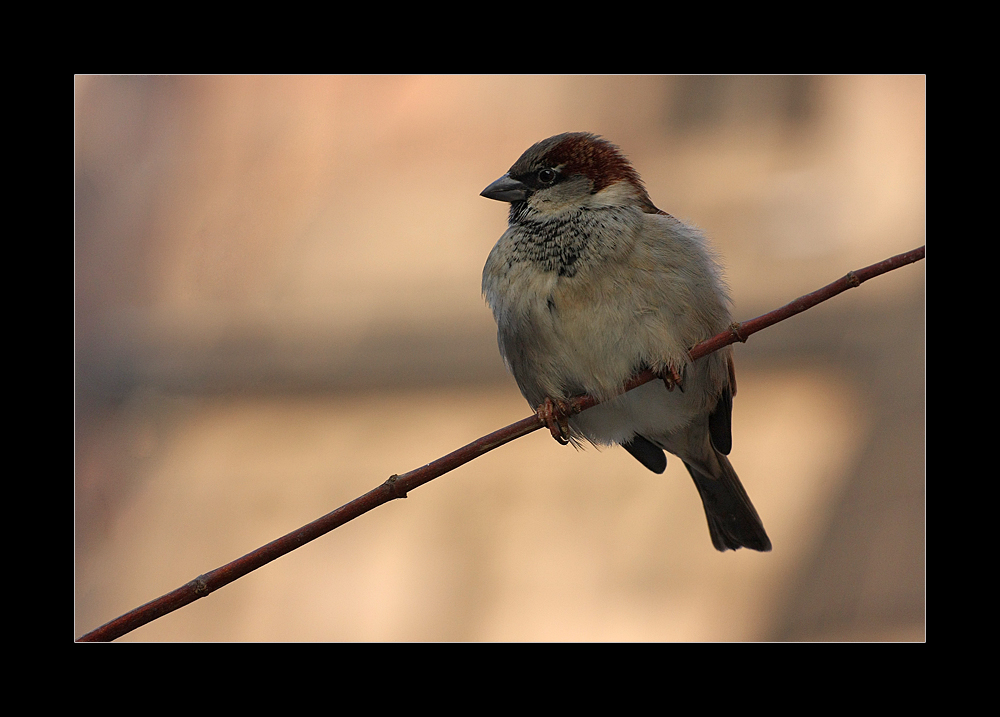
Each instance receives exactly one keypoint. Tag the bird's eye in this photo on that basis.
(546, 176)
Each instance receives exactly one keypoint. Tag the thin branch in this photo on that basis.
(397, 486)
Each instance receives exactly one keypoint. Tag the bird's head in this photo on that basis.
(568, 172)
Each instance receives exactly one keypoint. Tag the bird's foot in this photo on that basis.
(555, 414)
(671, 378)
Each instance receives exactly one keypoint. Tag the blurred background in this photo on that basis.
(278, 305)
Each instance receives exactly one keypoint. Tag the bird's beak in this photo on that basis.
(506, 189)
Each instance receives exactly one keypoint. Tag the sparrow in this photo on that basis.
(590, 284)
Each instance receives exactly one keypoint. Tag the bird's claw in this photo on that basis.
(555, 414)
(671, 378)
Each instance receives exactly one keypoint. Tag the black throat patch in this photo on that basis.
(554, 244)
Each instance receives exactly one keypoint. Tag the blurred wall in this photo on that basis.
(278, 305)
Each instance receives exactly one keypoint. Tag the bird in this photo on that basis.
(591, 284)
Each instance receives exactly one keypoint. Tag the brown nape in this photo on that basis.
(598, 159)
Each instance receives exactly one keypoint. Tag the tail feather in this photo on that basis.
(647, 453)
(732, 521)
